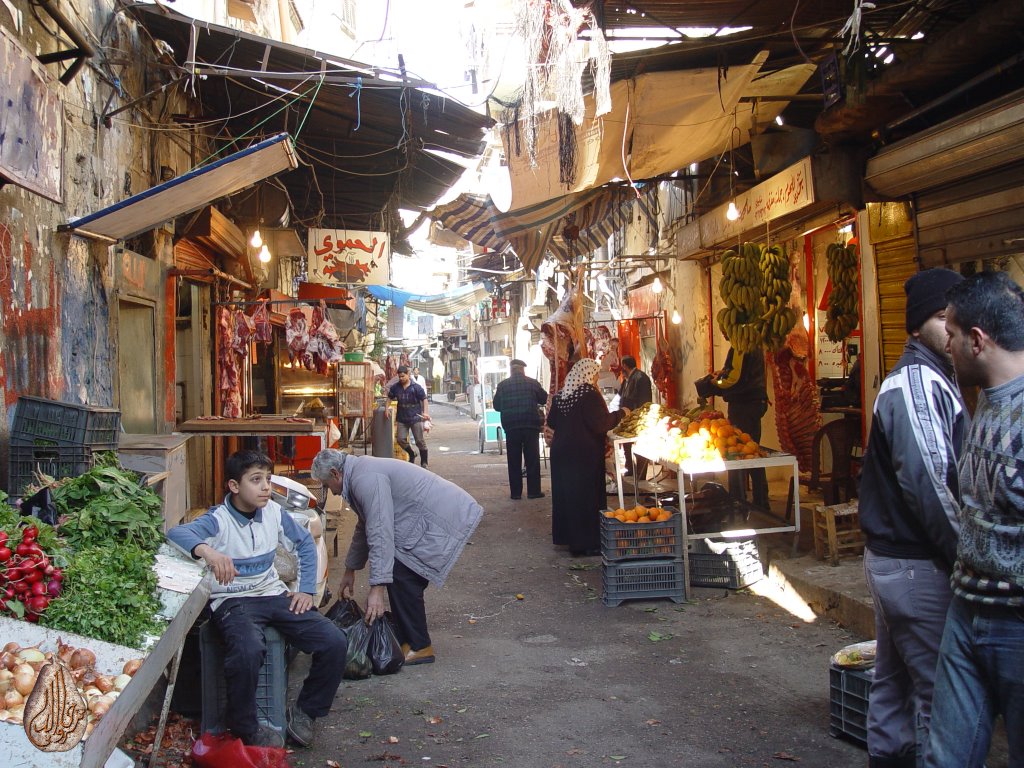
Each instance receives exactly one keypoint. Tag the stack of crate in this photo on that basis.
(642, 561)
(732, 564)
(58, 439)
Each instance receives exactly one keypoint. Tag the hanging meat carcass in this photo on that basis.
(264, 333)
(296, 333)
(325, 346)
(228, 383)
(663, 372)
(797, 407)
(244, 330)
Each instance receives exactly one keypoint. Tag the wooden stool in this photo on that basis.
(837, 531)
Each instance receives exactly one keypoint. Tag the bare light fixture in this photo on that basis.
(733, 213)
(265, 254)
(657, 287)
(676, 318)
(257, 239)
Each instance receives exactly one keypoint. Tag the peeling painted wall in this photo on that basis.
(58, 292)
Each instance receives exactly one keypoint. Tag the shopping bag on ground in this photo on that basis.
(385, 650)
(225, 751)
(345, 613)
(357, 660)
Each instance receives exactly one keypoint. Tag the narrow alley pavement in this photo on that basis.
(556, 679)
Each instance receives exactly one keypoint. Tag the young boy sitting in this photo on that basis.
(238, 540)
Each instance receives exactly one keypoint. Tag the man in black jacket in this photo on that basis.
(909, 499)
(636, 390)
(518, 399)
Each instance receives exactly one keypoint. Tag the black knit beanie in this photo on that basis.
(926, 294)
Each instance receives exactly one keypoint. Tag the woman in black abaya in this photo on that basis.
(580, 420)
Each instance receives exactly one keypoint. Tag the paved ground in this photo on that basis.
(558, 679)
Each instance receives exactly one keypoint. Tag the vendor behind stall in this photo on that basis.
(741, 383)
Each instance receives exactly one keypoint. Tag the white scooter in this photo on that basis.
(297, 500)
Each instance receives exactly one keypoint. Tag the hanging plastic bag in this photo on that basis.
(385, 650)
(225, 751)
(345, 613)
(357, 660)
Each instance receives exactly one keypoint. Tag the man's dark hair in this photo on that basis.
(240, 462)
(993, 302)
(629, 362)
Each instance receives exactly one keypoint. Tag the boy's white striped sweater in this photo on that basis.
(252, 544)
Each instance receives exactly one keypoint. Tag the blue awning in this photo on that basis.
(189, 192)
(445, 304)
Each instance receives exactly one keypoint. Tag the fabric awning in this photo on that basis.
(444, 304)
(538, 229)
(189, 192)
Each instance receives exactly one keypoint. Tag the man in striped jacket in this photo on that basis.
(908, 511)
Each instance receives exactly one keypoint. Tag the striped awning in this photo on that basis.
(445, 304)
(541, 229)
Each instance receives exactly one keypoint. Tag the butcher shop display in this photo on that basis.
(227, 363)
(564, 338)
(797, 408)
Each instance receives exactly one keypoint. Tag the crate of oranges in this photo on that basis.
(641, 533)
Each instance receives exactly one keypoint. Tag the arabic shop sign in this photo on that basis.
(348, 257)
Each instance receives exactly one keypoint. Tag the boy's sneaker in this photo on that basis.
(266, 736)
(300, 726)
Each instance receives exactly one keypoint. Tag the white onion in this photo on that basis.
(24, 682)
(121, 681)
(12, 699)
(32, 655)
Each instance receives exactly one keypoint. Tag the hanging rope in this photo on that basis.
(310, 107)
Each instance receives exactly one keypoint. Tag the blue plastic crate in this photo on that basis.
(642, 580)
(849, 691)
(642, 541)
(271, 690)
(41, 422)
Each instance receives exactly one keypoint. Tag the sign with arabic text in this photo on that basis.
(348, 257)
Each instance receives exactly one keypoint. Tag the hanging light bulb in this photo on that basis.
(265, 255)
(733, 213)
(657, 287)
(676, 318)
(257, 239)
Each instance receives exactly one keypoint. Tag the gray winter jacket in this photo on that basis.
(408, 513)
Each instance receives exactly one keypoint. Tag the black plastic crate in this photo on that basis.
(271, 690)
(56, 461)
(849, 691)
(642, 580)
(42, 422)
(642, 541)
(735, 565)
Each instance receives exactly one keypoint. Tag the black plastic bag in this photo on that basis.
(40, 505)
(357, 660)
(345, 613)
(385, 650)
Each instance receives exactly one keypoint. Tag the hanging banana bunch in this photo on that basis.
(740, 288)
(842, 316)
(756, 289)
(778, 319)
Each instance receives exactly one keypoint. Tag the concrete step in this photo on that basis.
(838, 593)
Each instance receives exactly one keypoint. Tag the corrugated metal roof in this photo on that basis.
(368, 141)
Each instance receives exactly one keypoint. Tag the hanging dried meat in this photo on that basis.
(663, 372)
(606, 350)
(264, 333)
(227, 364)
(797, 409)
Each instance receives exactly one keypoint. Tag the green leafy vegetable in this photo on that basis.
(108, 504)
(110, 594)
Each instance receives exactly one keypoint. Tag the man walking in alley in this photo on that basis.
(518, 398)
(412, 412)
(635, 391)
(981, 660)
(908, 511)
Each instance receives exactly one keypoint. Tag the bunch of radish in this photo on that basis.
(28, 579)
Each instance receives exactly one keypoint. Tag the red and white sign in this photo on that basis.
(348, 257)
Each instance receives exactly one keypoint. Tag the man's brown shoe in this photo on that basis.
(422, 656)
